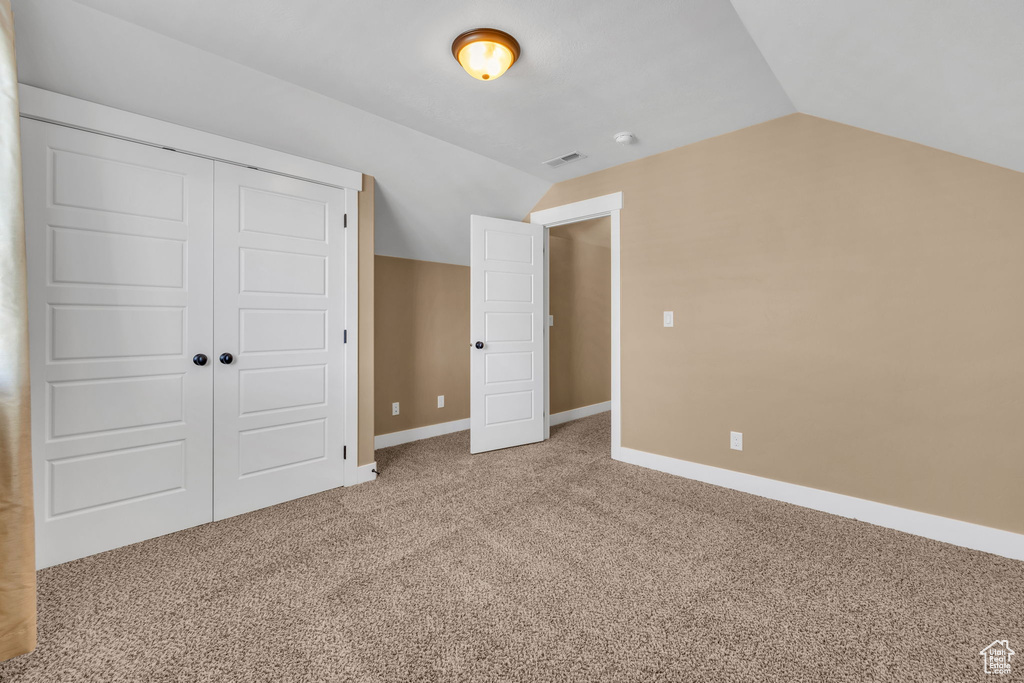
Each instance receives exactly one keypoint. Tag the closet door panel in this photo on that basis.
(119, 239)
(280, 310)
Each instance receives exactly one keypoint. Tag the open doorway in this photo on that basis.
(580, 319)
(510, 400)
(610, 206)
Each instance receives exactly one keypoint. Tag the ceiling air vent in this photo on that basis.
(564, 159)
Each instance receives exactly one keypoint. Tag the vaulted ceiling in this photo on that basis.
(373, 86)
(671, 71)
(944, 73)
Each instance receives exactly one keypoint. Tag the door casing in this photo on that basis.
(597, 207)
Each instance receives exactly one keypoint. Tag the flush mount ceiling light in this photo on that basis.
(485, 53)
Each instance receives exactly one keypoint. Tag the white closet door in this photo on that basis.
(280, 310)
(119, 239)
(507, 322)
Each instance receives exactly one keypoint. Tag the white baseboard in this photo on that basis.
(365, 473)
(397, 438)
(410, 435)
(965, 534)
(577, 413)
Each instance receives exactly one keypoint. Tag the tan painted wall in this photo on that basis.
(366, 317)
(422, 342)
(422, 332)
(580, 261)
(850, 302)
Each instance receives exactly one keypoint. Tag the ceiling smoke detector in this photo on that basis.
(565, 159)
(625, 138)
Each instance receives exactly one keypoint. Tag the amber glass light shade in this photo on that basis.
(485, 53)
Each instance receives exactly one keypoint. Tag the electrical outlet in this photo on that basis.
(394, 408)
(669, 316)
(440, 401)
(736, 441)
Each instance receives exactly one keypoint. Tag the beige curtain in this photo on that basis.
(17, 542)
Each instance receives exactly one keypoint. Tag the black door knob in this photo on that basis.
(479, 345)
(199, 359)
(226, 358)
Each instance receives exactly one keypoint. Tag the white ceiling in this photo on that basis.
(426, 188)
(943, 73)
(671, 71)
(372, 85)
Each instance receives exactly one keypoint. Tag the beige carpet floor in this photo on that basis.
(548, 562)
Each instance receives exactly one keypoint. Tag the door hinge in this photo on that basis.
(344, 452)
(344, 338)
(344, 222)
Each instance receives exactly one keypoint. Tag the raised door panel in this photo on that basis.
(283, 214)
(279, 330)
(84, 181)
(90, 332)
(84, 257)
(123, 403)
(119, 241)
(88, 482)
(281, 272)
(279, 290)
(263, 450)
(281, 388)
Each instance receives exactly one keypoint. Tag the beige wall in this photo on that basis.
(849, 301)
(422, 343)
(580, 260)
(366, 317)
(421, 347)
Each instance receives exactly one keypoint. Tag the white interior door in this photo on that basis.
(119, 241)
(280, 403)
(507, 324)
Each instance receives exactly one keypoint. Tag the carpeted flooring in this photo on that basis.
(548, 562)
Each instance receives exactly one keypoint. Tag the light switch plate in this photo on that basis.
(551, 321)
(736, 441)
(440, 401)
(394, 408)
(669, 319)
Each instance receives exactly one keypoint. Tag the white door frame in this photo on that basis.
(50, 107)
(606, 205)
